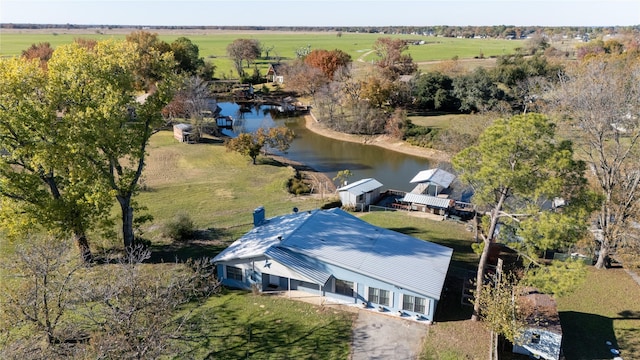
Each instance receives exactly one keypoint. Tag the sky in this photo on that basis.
(323, 12)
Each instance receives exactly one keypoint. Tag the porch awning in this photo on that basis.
(299, 263)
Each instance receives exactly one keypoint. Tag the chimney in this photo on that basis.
(258, 216)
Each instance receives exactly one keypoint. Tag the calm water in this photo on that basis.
(392, 169)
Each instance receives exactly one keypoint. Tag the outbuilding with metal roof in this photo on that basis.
(360, 194)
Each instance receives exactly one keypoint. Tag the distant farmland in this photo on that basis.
(283, 44)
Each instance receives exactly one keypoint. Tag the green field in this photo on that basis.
(359, 46)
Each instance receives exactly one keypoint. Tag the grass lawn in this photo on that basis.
(239, 325)
(606, 307)
(463, 123)
(216, 188)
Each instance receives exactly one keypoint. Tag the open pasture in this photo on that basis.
(282, 45)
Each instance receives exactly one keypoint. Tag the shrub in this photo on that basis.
(297, 186)
(180, 228)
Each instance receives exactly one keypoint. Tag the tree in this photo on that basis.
(41, 293)
(305, 79)
(328, 61)
(42, 51)
(241, 50)
(342, 176)
(39, 187)
(517, 166)
(148, 46)
(499, 310)
(477, 91)
(136, 310)
(601, 99)
(251, 144)
(433, 91)
(391, 58)
(54, 307)
(187, 56)
(109, 128)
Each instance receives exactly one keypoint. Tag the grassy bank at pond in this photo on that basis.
(213, 45)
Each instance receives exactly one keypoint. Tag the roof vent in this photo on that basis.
(258, 216)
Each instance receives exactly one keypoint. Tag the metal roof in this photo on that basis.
(183, 126)
(337, 238)
(362, 186)
(299, 263)
(427, 200)
(435, 176)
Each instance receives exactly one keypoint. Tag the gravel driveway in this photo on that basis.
(378, 336)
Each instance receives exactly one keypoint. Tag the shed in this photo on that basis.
(432, 181)
(542, 336)
(182, 132)
(360, 193)
(275, 73)
(339, 258)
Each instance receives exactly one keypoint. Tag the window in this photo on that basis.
(234, 273)
(379, 296)
(344, 287)
(414, 303)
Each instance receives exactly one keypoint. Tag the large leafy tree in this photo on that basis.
(328, 61)
(40, 187)
(433, 91)
(516, 167)
(600, 99)
(477, 91)
(108, 128)
(187, 55)
(148, 46)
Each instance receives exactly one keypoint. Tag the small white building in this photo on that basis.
(432, 182)
(182, 132)
(360, 194)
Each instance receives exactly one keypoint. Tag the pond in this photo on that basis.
(327, 155)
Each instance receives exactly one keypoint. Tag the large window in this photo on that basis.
(344, 287)
(234, 273)
(379, 296)
(414, 303)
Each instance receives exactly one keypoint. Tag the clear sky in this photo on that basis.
(323, 12)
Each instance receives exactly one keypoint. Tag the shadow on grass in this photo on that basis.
(585, 335)
(204, 243)
(240, 331)
(450, 306)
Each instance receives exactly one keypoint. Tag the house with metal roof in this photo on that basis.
(360, 194)
(432, 182)
(340, 258)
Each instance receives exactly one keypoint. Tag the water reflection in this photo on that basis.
(327, 155)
